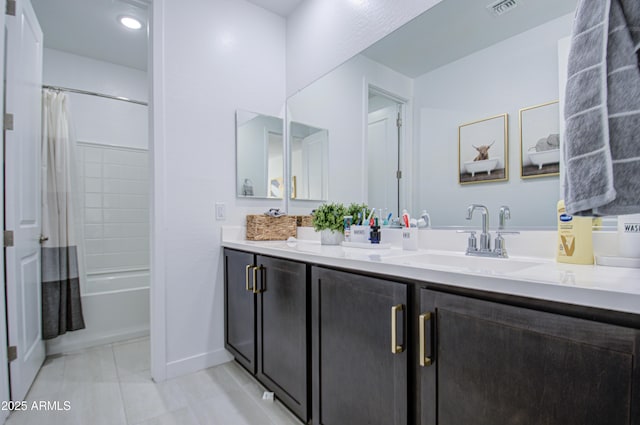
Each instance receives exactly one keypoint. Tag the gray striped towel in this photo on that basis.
(602, 110)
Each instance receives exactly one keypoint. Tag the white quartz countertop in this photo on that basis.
(613, 288)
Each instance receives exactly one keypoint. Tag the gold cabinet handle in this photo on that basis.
(255, 280)
(246, 278)
(424, 360)
(395, 348)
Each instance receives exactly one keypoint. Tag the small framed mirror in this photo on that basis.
(309, 153)
(259, 156)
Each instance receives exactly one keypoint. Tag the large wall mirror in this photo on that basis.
(259, 155)
(457, 63)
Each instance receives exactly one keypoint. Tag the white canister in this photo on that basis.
(360, 234)
(629, 235)
(410, 238)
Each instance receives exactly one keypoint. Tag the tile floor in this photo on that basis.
(111, 385)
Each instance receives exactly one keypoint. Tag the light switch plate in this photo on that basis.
(221, 211)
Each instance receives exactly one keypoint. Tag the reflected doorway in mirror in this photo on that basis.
(385, 163)
(309, 162)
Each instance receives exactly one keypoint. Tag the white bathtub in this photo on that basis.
(544, 157)
(484, 166)
(115, 307)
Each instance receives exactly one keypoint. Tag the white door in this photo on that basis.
(4, 368)
(22, 195)
(382, 159)
(314, 158)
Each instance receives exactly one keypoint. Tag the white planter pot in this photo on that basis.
(331, 237)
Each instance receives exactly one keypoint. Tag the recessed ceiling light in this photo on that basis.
(130, 22)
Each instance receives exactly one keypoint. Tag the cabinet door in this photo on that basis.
(240, 308)
(499, 364)
(356, 379)
(282, 332)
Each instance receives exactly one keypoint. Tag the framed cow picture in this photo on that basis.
(483, 151)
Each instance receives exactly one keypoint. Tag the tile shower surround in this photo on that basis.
(114, 187)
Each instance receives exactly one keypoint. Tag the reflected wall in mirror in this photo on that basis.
(489, 65)
(339, 102)
(309, 150)
(259, 155)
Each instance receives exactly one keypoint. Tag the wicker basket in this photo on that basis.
(262, 227)
(304, 220)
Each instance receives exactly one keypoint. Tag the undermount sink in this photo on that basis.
(460, 261)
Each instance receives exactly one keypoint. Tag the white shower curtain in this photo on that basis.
(61, 302)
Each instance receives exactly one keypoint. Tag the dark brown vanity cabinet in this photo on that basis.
(240, 308)
(266, 321)
(485, 363)
(282, 331)
(359, 355)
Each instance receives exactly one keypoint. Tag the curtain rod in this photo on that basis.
(106, 96)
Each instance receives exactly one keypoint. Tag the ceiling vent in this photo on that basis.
(501, 7)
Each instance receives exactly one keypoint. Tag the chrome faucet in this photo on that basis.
(426, 218)
(505, 214)
(485, 237)
(485, 241)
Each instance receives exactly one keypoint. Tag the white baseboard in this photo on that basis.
(198, 362)
(61, 345)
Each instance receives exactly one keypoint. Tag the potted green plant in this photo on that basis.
(328, 219)
(355, 211)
